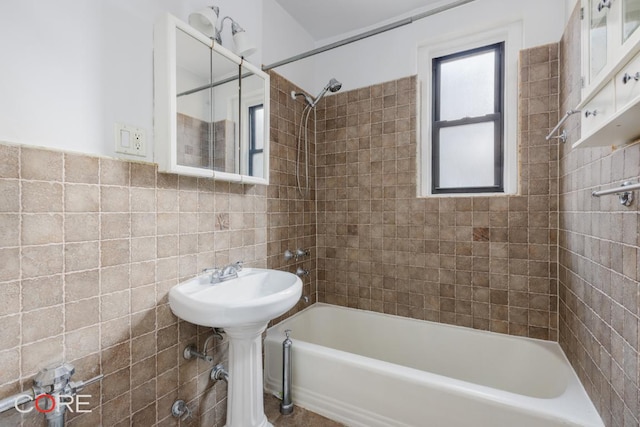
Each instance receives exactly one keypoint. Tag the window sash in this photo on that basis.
(497, 118)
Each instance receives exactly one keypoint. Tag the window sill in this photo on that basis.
(458, 195)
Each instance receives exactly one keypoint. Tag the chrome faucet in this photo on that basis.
(225, 273)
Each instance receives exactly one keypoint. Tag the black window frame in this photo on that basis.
(252, 135)
(497, 117)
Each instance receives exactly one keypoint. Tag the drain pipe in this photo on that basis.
(286, 406)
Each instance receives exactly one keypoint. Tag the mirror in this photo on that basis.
(630, 18)
(193, 115)
(254, 124)
(215, 122)
(597, 39)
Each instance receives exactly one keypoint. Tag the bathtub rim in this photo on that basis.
(573, 394)
(500, 335)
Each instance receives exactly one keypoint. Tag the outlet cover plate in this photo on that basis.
(130, 140)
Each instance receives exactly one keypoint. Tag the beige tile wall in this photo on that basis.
(598, 260)
(291, 218)
(89, 249)
(194, 147)
(483, 262)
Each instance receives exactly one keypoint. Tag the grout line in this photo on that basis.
(20, 275)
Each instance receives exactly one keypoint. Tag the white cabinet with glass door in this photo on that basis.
(610, 49)
(608, 35)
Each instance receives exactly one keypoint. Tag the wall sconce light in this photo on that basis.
(206, 21)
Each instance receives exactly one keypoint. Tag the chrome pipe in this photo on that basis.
(212, 85)
(616, 190)
(624, 192)
(563, 136)
(286, 406)
(219, 373)
(366, 34)
(16, 400)
(191, 352)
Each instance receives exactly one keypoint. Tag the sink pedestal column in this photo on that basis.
(245, 399)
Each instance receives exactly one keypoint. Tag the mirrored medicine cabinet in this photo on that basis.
(211, 108)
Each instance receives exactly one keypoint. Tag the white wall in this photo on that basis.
(283, 37)
(71, 69)
(570, 4)
(392, 55)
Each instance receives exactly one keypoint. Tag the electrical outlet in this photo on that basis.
(139, 145)
(130, 140)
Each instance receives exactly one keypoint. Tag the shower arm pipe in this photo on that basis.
(366, 34)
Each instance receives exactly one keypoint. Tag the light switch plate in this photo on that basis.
(130, 140)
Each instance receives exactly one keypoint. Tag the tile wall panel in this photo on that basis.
(483, 262)
(291, 218)
(598, 259)
(89, 249)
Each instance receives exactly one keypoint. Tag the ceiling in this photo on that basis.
(325, 19)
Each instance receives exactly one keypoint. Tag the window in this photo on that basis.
(468, 122)
(460, 119)
(256, 140)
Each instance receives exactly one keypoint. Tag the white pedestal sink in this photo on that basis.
(243, 307)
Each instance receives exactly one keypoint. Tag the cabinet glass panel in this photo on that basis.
(630, 18)
(597, 39)
(224, 120)
(253, 124)
(193, 73)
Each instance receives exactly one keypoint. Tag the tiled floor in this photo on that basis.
(299, 418)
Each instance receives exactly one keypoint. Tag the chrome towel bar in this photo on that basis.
(563, 135)
(624, 192)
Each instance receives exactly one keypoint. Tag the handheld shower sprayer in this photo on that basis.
(333, 86)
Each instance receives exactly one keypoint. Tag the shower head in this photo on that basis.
(332, 86)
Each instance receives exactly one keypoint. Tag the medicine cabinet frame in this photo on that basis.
(166, 105)
(610, 101)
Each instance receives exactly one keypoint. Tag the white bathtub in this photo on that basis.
(369, 369)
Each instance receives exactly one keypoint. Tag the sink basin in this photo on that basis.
(242, 306)
(256, 296)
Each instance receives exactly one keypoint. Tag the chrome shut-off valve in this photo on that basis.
(180, 410)
(52, 388)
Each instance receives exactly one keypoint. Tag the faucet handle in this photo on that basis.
(238, 265)
(210, 269)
